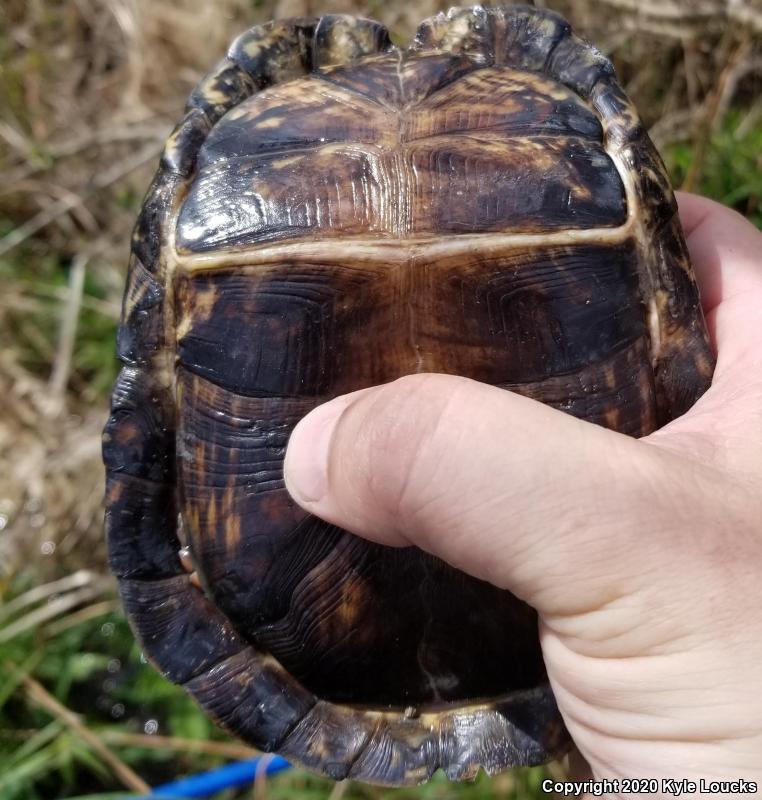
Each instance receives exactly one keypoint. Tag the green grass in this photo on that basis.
(96, 669)
(39, 283)
(732, 170)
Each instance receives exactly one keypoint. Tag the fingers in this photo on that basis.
(726, 251)
(498, 485)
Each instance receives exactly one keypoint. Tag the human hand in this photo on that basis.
(642, 557)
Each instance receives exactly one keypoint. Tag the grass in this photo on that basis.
(88, 91)
(732, 172)
(94, 668)
(34, 316)
(90, 665)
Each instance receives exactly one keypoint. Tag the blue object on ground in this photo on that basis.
(205, 783)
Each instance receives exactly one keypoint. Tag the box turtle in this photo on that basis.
(331, 213)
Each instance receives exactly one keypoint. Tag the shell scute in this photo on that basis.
(685, 364)
(329, 738)
(656, 199)
(621, 120)
(149, 234)
(137, 434)
(276, 52)
(522, 729)
(182, 147)
(341, 39)
(521, 37)
(525, 37)
(223, 87)
(399, 750)
(178, 627)
(249, 694)
(459, 30)
(138, 515)
(579, 65)
(141, 333)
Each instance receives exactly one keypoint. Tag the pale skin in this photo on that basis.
(642, 557)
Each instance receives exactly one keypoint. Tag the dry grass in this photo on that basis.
(88, 91)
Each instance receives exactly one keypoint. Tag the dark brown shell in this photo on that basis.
(333, 213)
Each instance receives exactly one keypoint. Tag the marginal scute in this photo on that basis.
(181, 632)
(578, 64)
(685, 365)
(223, 87)
(539, 733)
(525, 37)
(330, 738)
(341, 39)
(621, 120)
(275, 52)
(184, 142)
(137, 436)
(656, 200)
(141, 517)
(685, 356)
(521, 37)
(501, 734)
(148, 236)
(675, 277)
(252, 696)
(399, 750)
(141, 333)
(461, 30)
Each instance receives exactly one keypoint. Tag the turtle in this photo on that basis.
(335, 212)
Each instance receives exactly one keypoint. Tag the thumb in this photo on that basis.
(498, 485)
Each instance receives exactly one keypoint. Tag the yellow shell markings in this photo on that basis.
(257, 39)
(420, 724)
(254, 47)
(212, 95)
(272, 122)
(237, 112)
(170, 146)
(137, 288)
(288, 161)
(232, 520)
(375, 251)
(367, 250)
(345, 38)
(453, 32)
(547, 26)
(202, 309)
(642, 237)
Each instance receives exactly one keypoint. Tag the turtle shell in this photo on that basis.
(331, 213)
